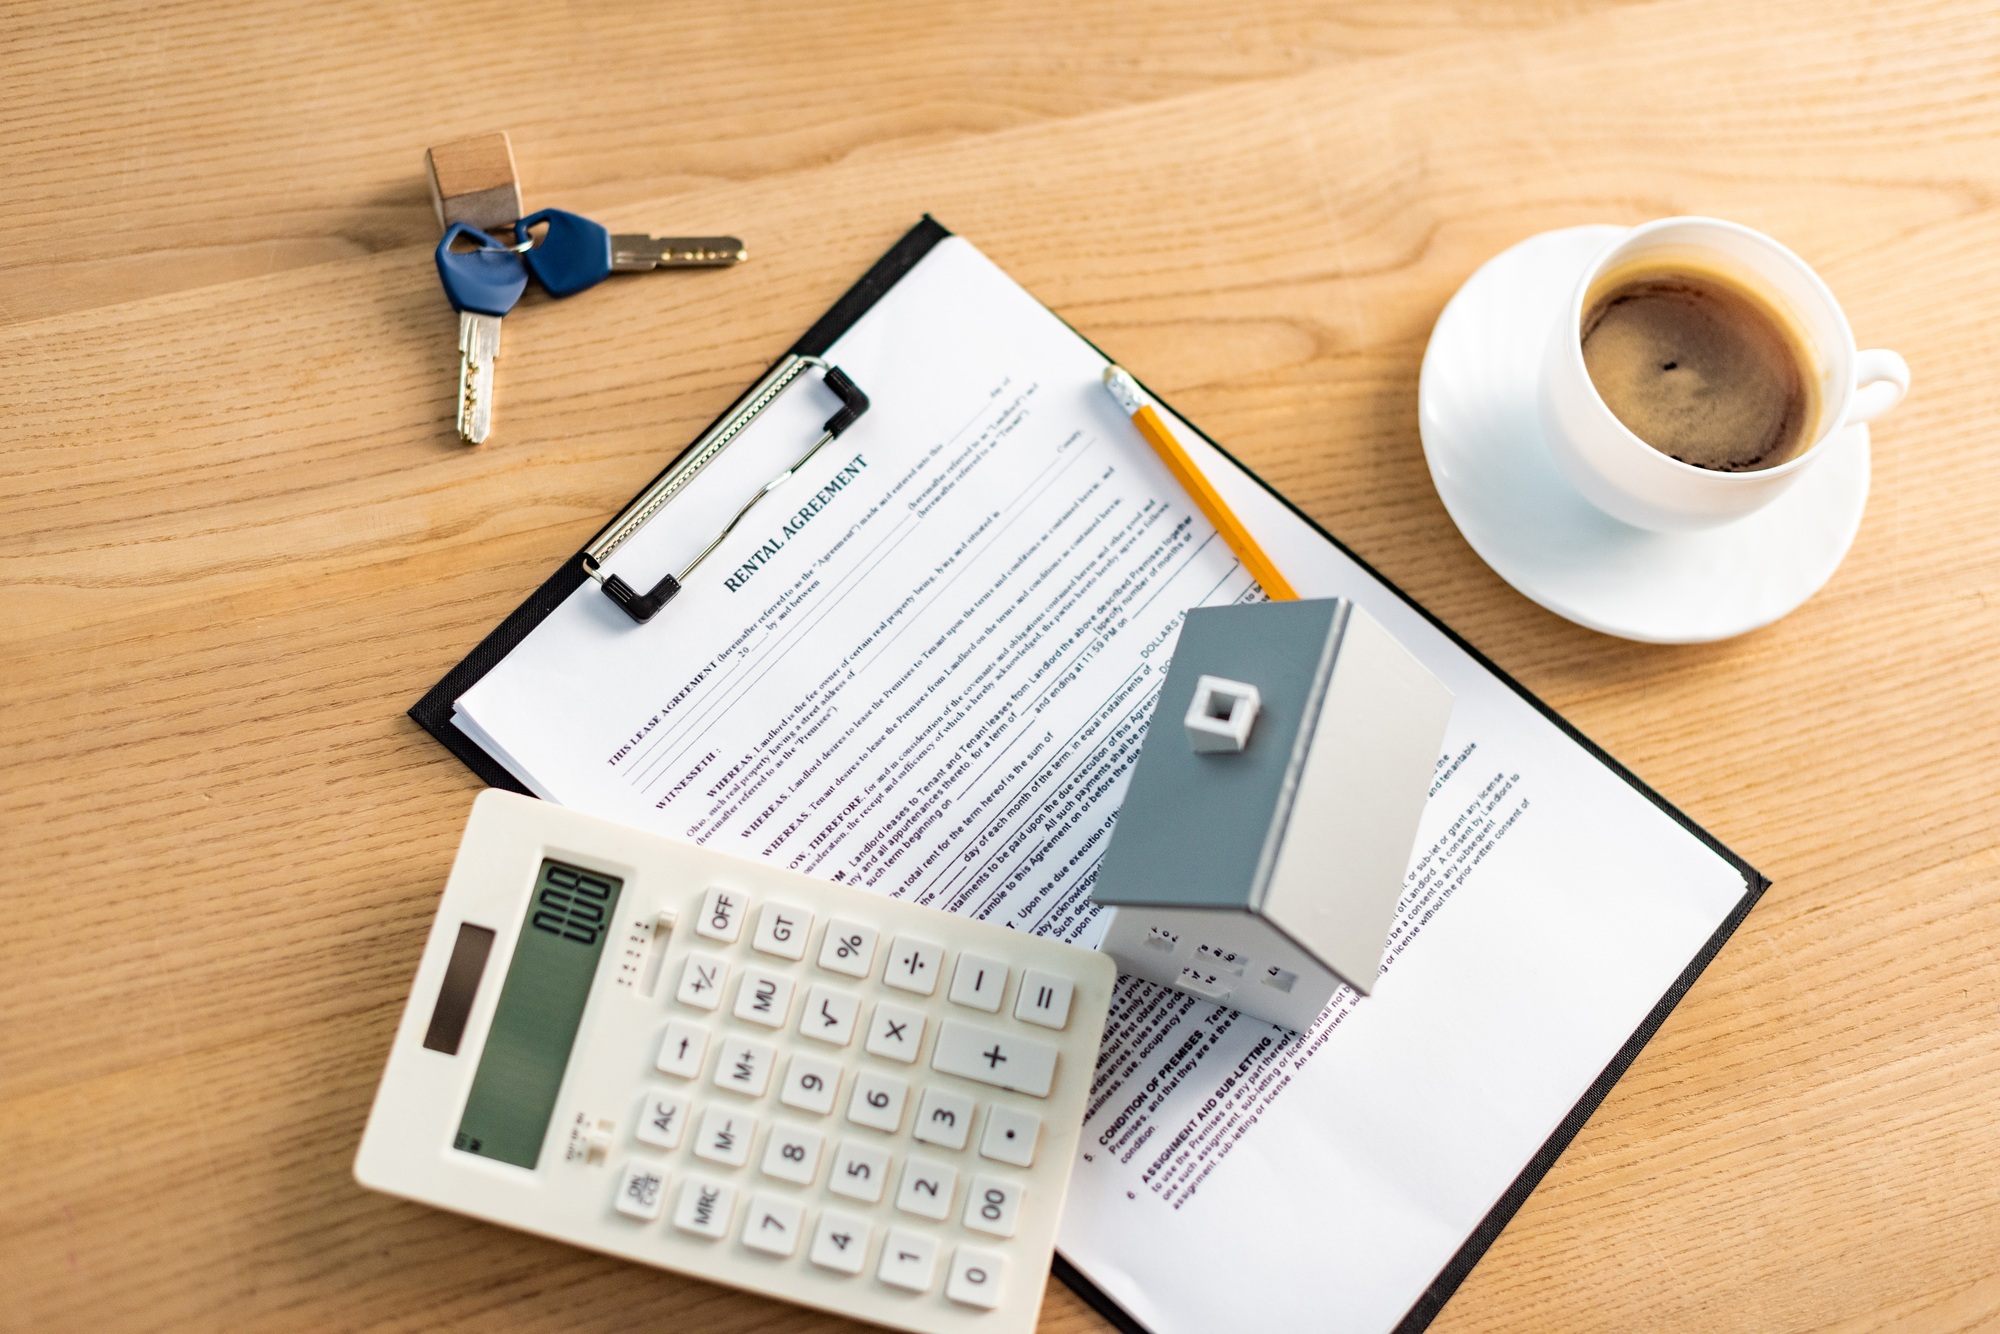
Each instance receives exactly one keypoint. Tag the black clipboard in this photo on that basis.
(434, 714)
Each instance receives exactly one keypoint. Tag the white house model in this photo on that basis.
(1260, 853)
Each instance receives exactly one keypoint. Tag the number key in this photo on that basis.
(976, 1277)
(810, 1083)
(994, 1206)
(927, 1188)
(840, 1243)
(793, 1154)
(878, 1101)
(909, 1260)
(944, 1118)
(859, 1171)
(772, 1224)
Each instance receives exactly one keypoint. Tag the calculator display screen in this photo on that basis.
(535, 1021)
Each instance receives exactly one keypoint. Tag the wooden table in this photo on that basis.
(239, 539)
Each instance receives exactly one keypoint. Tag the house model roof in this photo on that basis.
(1200, 830)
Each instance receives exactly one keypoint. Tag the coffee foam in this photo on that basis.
(1701, 364)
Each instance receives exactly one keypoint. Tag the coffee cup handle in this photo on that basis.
(1881, 378)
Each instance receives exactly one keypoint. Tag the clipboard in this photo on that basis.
(434, 713)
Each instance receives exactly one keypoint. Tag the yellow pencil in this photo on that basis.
(1126, 390)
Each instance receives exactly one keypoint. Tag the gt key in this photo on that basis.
(576, 253)
(482, 284)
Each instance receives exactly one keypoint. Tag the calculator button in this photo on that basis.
(914, 965)
(909, 1260)
(944, 1118)
(1004, 1060)
(927, 1188)
(895, 1031)
(878, 1101)
(979, 983)
(840, 1242)
(993, 1206)
(663, 1120)
(859, 1171)
(642, 1191)
(976, 1277)
(830, 1015)
(704, 1207)
(721, 915)
(792, 1154)
(772, 1224)
(725, 1137)
(701, 980)
(744, 1066)
(1010, 1135)
(782, 930)
(1044, 999)
(810, 1083)
(764, 998)
(848, 948)
(681, 1049)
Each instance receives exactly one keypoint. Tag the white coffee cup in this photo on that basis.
(1629, 479)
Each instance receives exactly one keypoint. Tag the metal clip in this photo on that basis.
(641, 607)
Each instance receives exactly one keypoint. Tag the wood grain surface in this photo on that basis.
(238, 539)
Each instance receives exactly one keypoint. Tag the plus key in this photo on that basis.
(1004, 1060)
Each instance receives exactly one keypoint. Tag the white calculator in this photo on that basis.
(704, 1063)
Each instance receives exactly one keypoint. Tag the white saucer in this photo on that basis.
(1477, 409)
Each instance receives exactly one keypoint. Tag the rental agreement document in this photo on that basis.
(925, 666)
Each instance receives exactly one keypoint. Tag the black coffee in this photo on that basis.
(1701, 369)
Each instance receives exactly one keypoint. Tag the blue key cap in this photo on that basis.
(573, 254)
(485, 281)
(482, 284)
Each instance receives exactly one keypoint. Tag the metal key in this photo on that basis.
(482, 285)
(576, 253)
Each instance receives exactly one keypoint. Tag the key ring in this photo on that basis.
(483, 239)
